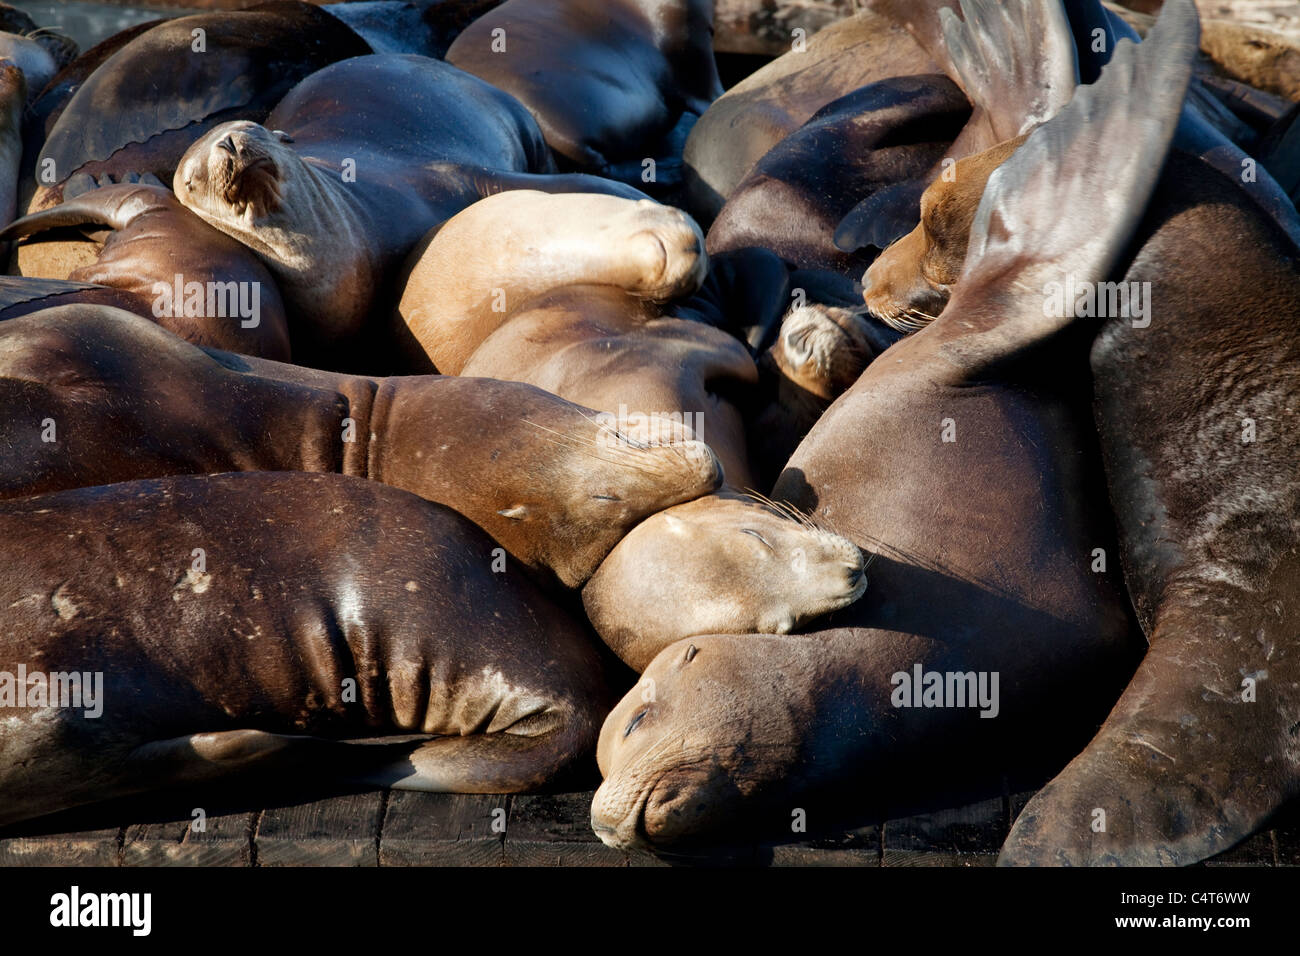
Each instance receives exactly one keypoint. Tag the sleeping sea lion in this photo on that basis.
(572, 300)
(190, 629)
(722, 563)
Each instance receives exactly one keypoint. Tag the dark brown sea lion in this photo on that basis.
(571, 298)
(277, 622)
(721, 563)
(607, 80)
(346, 185)
(192, 278)
(147, 102)
(1196, 416)
(761, 110)
(93, 396)
(793, 199)
(987, 601)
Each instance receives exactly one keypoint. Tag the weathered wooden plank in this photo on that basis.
(965, 836)
(220, 840)
(555, 830)
(443, 829)
(336, 831)
(86, 848)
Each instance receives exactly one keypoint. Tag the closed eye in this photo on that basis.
(633, 722)
(758, 536)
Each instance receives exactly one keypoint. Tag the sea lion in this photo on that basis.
(147, 102)
(572, 300)
(743, 730)
(39, 53)
(770, 104)
(193, 279)
(1195, 416)
(607, 80)
(793, 199)
(452, 302)
(290, 623)
(724, 563)
(94, 395)
(345, 186)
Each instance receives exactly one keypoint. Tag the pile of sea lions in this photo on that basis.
(442, 394)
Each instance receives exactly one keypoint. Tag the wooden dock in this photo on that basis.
(400, 828)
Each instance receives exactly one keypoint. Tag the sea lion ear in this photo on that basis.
(1014, 59)
(282, 136)
(1068, 201)
(883, 217)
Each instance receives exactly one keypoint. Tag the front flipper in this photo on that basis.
(1188, 763)
(483, 763)
(1058, 214)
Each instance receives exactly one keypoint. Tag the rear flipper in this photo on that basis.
(1187, 764)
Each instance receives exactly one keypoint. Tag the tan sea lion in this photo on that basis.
(192, 629)
(989, 634)
(722, 563)
(571, 300)
(452, 302)
(95, 395)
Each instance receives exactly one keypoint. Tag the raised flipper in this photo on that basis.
(1066, 203)
(1014, 60)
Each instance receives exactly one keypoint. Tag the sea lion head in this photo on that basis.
(603, 491)
(710, 744)
(909, 283)
(238, 173)
(725, 563)
(821, 350)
